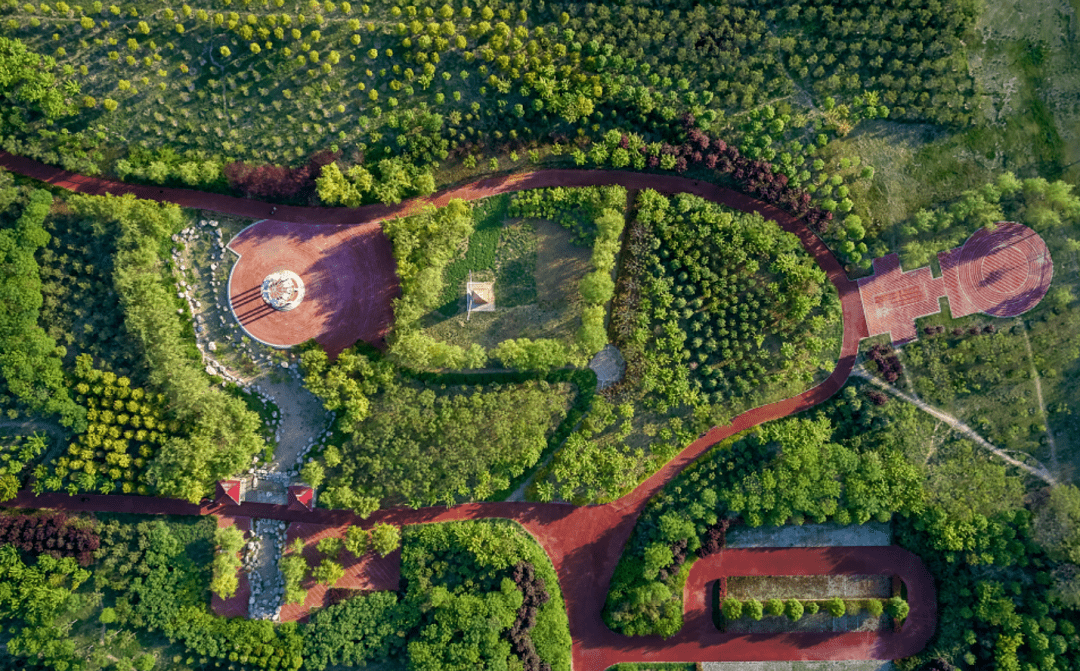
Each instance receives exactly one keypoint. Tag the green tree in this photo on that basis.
(328, 572)
(732, 608)
(356, 541)
(28, 84)
(313, 473)
(385, 538)
(226, 564)
(294, 569)
(774, 607)
(898, 608)
(330, 547)
(657, 557)
(30, 361)
(597, 287)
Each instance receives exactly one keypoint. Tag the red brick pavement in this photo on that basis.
(237, 604)
(367, 573)
(893, 299)
(584, 543)
(1002, 272)
(349, 280)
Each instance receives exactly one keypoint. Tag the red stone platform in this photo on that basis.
(349, 279)
(892, 299)
(1000, 272)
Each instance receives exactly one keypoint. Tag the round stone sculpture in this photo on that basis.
(283, 290)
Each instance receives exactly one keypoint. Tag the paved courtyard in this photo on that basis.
(1002, 272)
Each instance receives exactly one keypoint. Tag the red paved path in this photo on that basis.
(583, 543)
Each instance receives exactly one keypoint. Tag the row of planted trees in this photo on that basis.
(297, 568)
(752, 609)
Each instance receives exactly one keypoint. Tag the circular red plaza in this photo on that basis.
(348, 275)
(1006, 271)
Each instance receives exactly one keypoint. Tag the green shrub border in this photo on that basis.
(851, 607)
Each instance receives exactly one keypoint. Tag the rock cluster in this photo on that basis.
(261, 564)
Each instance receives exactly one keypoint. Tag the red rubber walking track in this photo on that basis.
(584, 543)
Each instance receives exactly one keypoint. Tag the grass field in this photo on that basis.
(1026, 61)
(536, 269)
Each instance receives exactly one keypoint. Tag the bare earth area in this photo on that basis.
(809, 587)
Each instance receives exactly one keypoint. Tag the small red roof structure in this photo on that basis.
(302, 498)
(230, 492)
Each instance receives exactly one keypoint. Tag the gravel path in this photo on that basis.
(1038, 471)
(261, 564)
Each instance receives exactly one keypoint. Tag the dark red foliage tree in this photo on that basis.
(50, 534)
(888, 362)
(877, 397)
(535, 595)
(715, 538)
(277, 182)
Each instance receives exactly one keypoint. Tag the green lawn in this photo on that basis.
(536, 270)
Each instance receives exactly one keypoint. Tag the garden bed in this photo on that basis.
(809, 587)
(536, 267)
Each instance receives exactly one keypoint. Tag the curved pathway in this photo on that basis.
(584, 543)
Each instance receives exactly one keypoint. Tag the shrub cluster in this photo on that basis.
(700, 149)
(277, 182)
(888, 362)
(575, 209)
(535, 595)
(126, 428)
(794, 609)
(734, 303)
